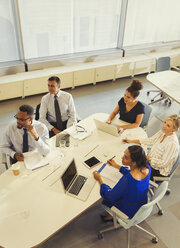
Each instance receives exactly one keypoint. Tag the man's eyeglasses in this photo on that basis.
(80, 129)
(20, 119)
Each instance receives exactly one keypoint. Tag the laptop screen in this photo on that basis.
(69, 174)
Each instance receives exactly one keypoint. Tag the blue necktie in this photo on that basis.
(25, 141)
(58, 114)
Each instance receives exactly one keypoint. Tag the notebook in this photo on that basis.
(107, 128)
(78, 186)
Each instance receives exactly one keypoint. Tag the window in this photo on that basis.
(59, 27)
(152, 21)
(9, 50)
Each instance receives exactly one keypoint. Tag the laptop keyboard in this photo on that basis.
(77, 185)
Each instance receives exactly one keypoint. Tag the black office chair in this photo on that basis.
(162, 64)
(37, 112)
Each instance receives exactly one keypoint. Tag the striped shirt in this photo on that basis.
(162, 155)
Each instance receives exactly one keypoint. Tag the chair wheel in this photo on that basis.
(100, 236)
(148, 93)
(161, 94)
(168, 192)
(160, 212)
(154, 240)
(169, 103)
(152, 100)
(166, 101)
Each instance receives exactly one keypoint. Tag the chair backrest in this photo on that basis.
(175, 165)
(163, 64)
(146, 209)
(37, 112)
(147, 110)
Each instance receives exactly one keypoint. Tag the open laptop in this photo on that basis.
(78, 186)
(107, 128)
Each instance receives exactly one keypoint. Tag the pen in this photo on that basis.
(102, 167)
(91, 150)
(112, 157)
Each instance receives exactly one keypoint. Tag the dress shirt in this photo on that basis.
(13, 139)
(162, 155)
(66, 104)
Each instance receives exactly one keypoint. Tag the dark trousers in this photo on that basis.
(54, 124)
(155, 173)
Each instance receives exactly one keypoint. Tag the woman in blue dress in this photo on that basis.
(130, 193)
(129, 108)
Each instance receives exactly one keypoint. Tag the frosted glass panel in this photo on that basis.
(96, 24)
(8, 40)
(68, 26)
(152, 21)
(46, 27)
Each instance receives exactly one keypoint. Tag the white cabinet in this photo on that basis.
(82, 77)
(11, 90)
(105, 73)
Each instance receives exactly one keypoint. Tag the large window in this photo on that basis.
(150, 21)
(68, 26)
(8, 37)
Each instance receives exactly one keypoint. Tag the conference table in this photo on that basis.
(34, 206)
(168, 82)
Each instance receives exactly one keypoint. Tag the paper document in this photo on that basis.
(34, 160)
(78, 134)
(111, 173)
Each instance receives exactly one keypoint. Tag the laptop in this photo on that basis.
(78, 186)
(107, 128)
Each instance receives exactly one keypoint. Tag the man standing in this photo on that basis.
(25, 135)
(57, 109)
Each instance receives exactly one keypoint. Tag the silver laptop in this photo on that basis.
(107, 128)
(78, 186)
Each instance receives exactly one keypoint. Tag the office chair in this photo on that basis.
(5, 160)
(120, 219)
(159, 180)
(37, 112)
(162, 64)
(147, 110)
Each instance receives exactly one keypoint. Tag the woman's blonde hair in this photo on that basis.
(175, 119)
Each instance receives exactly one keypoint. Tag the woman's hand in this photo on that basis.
(120, 129)
(126, 141)
(108, 122)
(113, 164)
(97, 176)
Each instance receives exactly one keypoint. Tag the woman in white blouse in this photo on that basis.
(165, 147)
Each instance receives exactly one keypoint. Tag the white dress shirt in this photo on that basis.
(13, 139)
(162, 155)
(66, 105)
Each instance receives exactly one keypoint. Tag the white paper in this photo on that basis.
(78, 135)
(111, 173)
(34, 160)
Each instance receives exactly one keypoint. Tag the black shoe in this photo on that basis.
(104, 218)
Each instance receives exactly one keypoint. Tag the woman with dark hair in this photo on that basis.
(129, 109)
(130, 193)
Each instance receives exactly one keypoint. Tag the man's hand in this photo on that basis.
(31, 129)
(55, 130)
(108, 122)
(19, 156)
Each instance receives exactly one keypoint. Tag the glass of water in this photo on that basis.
(62, 145)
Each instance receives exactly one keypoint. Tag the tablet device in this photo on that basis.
(91, 162)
